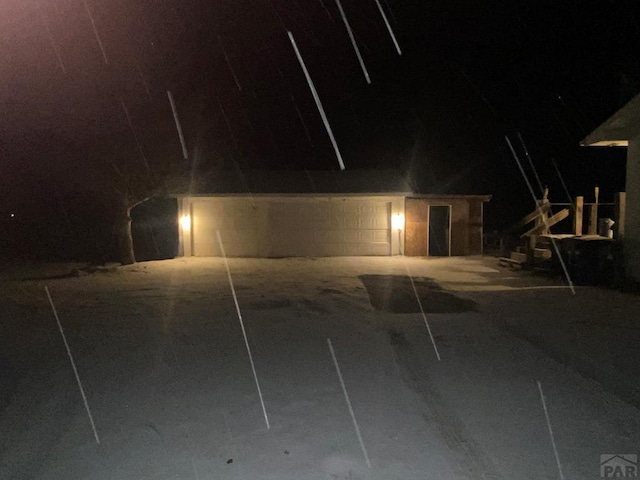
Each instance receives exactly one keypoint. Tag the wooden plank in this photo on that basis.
(543, 253)
(592, 228)
(577, 216)
(518, 257)
(504, 261)
(542, 210)
(551, 221)
(619, 215)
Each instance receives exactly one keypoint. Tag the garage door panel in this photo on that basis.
(206, 250)
(236, 223)
(381, 236)
(293, 227)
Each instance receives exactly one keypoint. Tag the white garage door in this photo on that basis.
(282, 227)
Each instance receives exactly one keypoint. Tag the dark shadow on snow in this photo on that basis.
(395, 294)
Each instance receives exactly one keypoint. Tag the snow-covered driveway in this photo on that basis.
(162, 359)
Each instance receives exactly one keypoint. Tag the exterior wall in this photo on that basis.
(631, 240)
(466, 225)
(459, 227)
(475, 226)
(291, 225)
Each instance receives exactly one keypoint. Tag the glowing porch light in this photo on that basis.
(185, 223)
(397, 221)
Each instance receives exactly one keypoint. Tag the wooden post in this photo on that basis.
(531, 249)
(593, 214)
(577, 216)
(592, 228)
(619, 215)
(541, 219)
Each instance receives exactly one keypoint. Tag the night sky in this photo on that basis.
(470, 73)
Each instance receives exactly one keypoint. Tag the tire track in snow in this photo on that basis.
(469, 458)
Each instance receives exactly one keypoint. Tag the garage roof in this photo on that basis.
(305, 181)
(618, 129)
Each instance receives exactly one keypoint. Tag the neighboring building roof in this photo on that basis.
(618, 129)
(304, 181)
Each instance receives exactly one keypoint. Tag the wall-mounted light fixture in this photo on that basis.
(397, 221)
(185, 223)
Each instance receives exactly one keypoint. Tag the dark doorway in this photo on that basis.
(439, 230)
(154, 229)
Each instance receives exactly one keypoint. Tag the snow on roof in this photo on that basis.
(618, 129)
(305, 181)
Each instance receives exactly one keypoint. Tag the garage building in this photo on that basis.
(325, 213)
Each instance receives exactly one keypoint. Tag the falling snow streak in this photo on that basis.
(474, 86)
(236, 164)
(95, 31)
(144, 80)
(326, 10)
(244, 333)
(195, 470)
(564, 185)
(355, 120)
(73, 366)
(185, 154)
(553, 441)
(135, 136)
(226, 121)
(317, 100)
(542, 215)
(386, 22)
(270, 54)
(53, 43)
(304, 125)
(533, 168)
(393, 17)
(313, 185)
(308, 31)
(277, 15)
(424, 315)
(353, 42)
(346, 396)
(247, 118)
(226, 59)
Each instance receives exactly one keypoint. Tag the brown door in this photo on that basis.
(416, 216)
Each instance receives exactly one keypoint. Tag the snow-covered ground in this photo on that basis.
(162, 359)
